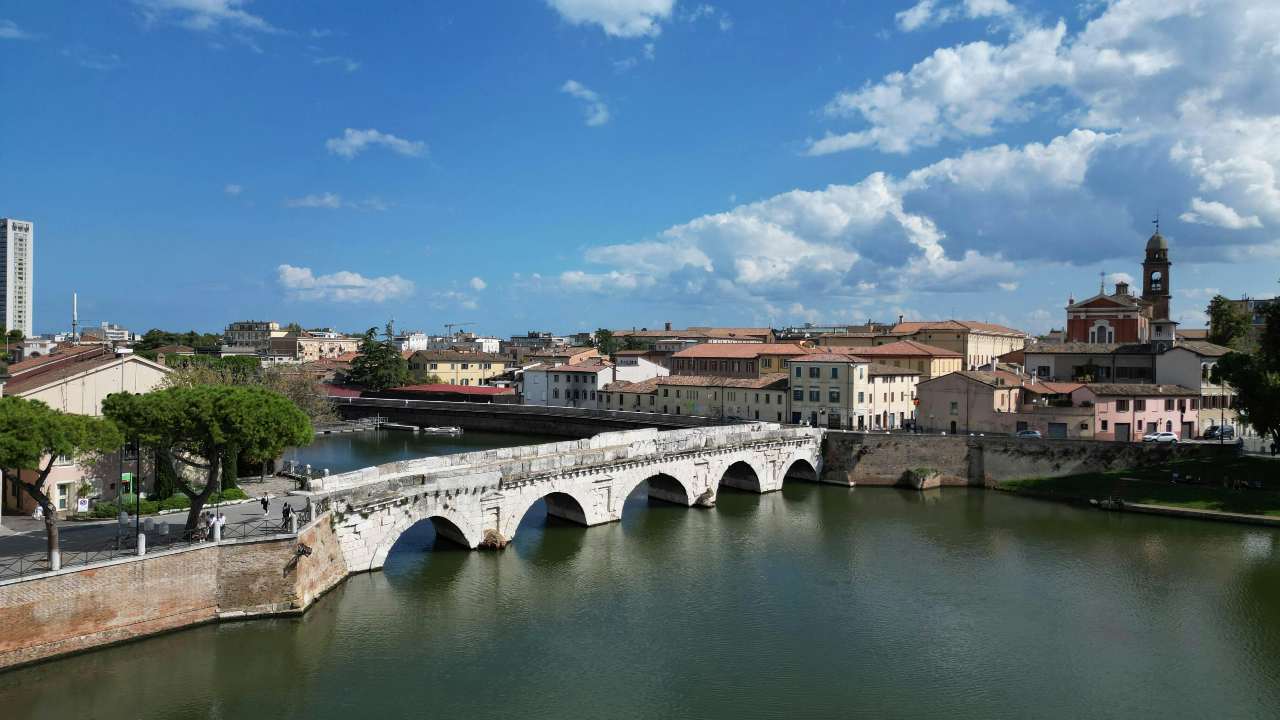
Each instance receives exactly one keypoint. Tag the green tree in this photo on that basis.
(379, 365)
(631, 342)
(606, 343)
(32, 432)
(1256, 378)
(197, 426)
(294, 327)
(1229, 324)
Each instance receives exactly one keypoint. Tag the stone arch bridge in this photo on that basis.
(478, 499)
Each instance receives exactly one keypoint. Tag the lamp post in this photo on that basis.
(137, 494)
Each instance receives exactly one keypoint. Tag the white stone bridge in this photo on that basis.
(478, 499)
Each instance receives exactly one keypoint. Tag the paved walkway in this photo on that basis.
(23, 534)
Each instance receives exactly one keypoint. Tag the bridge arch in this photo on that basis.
(742, 474)
(448, 521)
(565, 503)
(668, 484)
(799, 468)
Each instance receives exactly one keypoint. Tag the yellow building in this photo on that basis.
(978, 342)
(927, 360)
(729, 398)
(457, 368)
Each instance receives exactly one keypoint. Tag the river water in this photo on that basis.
(813, 602)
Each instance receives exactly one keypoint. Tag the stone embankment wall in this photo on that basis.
(82, 608)
(878, 459)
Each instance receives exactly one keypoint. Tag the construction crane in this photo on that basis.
(448, 327)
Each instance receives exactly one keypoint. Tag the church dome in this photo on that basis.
(1157, 242)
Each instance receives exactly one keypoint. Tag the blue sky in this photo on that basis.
(570, 164)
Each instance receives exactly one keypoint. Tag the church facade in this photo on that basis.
(1121, 317)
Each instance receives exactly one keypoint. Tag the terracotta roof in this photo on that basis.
(882, 369)
(642, 387)
(1050, 387)
(1204, 347)
(175, 350)
(50, 373)
(908, 348)
(1084, 348)
(1121, 300)
(766, 381)
(914, 326)
(339, 391)
(739, 350)
(584, 367)
(458, 356)
(563, 352)
(1139, 390)
(1193, 333)
(831, 356)
(63, 352)
(457, 389)
(979, 376)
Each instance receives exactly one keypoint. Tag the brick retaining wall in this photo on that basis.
(78, 609)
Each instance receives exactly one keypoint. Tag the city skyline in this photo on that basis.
(571, 165)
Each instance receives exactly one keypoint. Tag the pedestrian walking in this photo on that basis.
(266, 504)
(284, 515)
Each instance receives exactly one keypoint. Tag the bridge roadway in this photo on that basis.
(477, 499)
(504, 417)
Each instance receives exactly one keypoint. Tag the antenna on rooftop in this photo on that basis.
(75, 317)
(1156, 222)
(1102, 282)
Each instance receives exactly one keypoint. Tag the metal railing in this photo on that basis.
(126, 544)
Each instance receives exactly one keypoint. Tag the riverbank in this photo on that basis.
(1227, 489)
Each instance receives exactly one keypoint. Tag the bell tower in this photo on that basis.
(1155, 275)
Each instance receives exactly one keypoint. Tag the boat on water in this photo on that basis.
(445, 430)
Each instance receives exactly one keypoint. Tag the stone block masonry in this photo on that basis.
(79, 609)
(879, 459)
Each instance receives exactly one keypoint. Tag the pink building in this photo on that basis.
(1126, 411)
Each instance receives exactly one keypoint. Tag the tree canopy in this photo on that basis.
(1256, 377)
(32, 432)
(155, 338)
(293, 382)
(198, 426)
(380, 364)
(606, 343)
(1229, 324)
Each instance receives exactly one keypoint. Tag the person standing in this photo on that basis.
(266, 505)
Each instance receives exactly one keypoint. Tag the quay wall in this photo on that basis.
(81, 608)
(851, 458)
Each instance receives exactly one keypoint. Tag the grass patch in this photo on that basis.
(108, 510)
(1218, 485)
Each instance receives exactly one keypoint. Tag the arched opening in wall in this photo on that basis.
(555, 508)
(434, 542)
(800, 471)
(656, 504)
(741, 476)
(551, 530)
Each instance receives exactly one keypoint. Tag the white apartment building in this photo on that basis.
(17, 274)
(254, 334)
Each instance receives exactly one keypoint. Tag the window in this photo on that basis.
(797, 395)
(833, 396)
(766, 398)
(1168, 426)
(815, 372)
(677, 393)
(1168, 404)
(434, 366)
(1104, 426)
(555, 393)
(861, 398)
(815, 395)
(1195, 403)
(1122, 406)
(955, 408)
(652, 398)
(665, 392)
(1140, 405)
(554, 378)
(64, 493)
(1042, 371)
(799, 371)
(835, 373)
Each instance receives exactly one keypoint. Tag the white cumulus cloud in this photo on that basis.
(204, 15)
(320, 200)
(1218, 215)
(343, 286)
(353, 142)
(619, 18)
(594, 107)
(478, 283)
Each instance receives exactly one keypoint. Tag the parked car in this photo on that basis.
(1160, 437)
(1220, 432)
(1029, 434)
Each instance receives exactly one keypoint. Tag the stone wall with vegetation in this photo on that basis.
(880, 459)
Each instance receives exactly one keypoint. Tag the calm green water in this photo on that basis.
(341, 452)
(815, 602)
